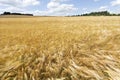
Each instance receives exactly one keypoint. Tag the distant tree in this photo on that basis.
(6, 13)
(118, 14)
(16, 14)
(101, 13)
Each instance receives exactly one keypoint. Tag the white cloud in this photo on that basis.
(12, 9)
(55, 7)
(62, 8)
(16, 5)
(30, 2)
(115, 2)
(53, 4)
(103, 8)
(19, 3)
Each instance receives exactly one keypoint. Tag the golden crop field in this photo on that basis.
(60, 48)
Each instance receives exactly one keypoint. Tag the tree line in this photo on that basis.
(9, 13)
(101, 13)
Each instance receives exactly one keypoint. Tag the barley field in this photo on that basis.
(60, 48)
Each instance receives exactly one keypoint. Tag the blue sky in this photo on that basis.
(59, 7)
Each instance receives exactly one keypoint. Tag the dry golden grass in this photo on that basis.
(60, 48)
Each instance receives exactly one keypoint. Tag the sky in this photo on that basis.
(59, 7)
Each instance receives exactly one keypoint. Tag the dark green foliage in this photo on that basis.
(6, 13)
(101, 13)
(9, 13)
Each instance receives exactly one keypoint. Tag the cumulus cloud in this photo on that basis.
(53, 4)
(19, 3)
(115, 2)
(16, 5)
(54, 7)
(103, 8)
(11, 9)
(57, 7)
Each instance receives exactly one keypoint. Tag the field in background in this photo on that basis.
(60, 48)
